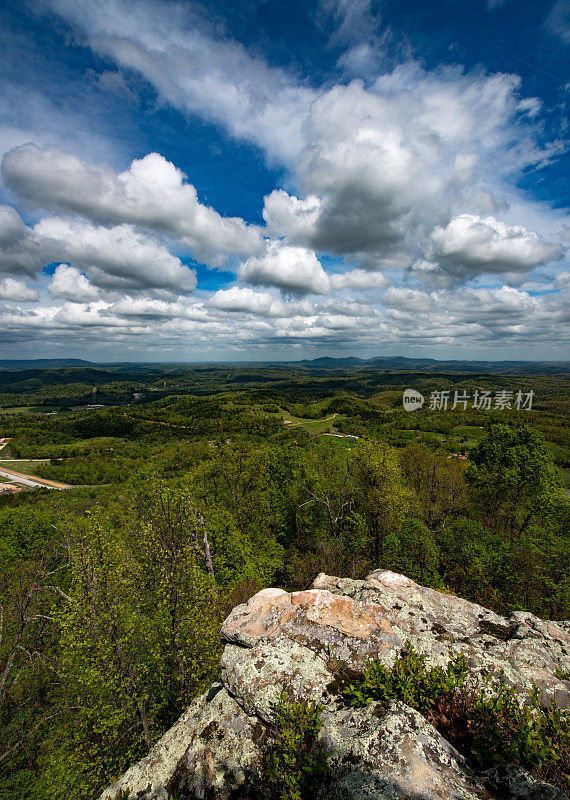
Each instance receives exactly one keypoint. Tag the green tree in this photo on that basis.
(471, 560)
(413, 551)
(384, 498)
(238, 480)
(513, 478)
(139, 638)
(438, 484)
(329, 532)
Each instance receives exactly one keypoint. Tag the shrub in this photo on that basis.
(537, 737)
(491, 726)
(297, 763)
(408, 680)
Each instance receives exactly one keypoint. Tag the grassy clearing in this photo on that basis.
(29, 410)
(313, 426)
(26, 467)
(467, 435)
(318, 425)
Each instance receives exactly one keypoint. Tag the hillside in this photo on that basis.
(177, 506)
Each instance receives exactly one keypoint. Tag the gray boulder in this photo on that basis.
(281, 642)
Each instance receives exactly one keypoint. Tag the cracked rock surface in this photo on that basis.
(281, 641)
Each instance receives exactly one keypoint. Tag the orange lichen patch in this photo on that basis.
(267, 612)
(342, 613)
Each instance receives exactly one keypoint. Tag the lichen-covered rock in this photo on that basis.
(317, 619)
(256, 677)
(527, 650)
(280, 641)
(394, 755)
(509, 780)
(208, 753)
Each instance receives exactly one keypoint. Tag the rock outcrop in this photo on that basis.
(284, 642)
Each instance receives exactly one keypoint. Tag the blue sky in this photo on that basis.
(259, 180)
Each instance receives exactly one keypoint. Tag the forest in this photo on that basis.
(185, 503)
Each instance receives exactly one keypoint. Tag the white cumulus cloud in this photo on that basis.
(469, 245)
(69, 283)
(17, 291)
(151, 193)
(295, 269)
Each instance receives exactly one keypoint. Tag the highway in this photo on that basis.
(31, 480)
(28, 480)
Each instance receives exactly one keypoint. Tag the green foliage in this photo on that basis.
(490, 726)
(413, 551)
(385, 498)
(237, 487)
(438, 483)
(139, 639)
(502, 728)
(22, 531)
(297, 763)
(407, 680)
(280, 503)
(514, 478)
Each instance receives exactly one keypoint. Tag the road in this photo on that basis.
(309, 421)
(31, 480)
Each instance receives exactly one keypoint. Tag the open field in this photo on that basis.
(324, 424)
(23, 465)
(314, 426)
(31, 410)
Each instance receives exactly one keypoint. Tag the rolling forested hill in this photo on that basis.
(195, 487)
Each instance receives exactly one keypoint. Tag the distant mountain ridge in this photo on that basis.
(43, 363)
(321, 363)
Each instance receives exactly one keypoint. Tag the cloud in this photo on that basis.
(558, 20)
(17, 291)
(485, 203)
(241, 299)
(117, 256)
(295, 269)
(113, 256)
(19, 252)
(69, 283)
(353, 20)
(470, 245)
(290, 216)
(495, 316)
(407, 178)
(39, 102)
(114, 82)
(382, 164)
(151, 193)
(154, 309)
(373, 168)
(241, 320)
(358, 279)
(195, 70)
